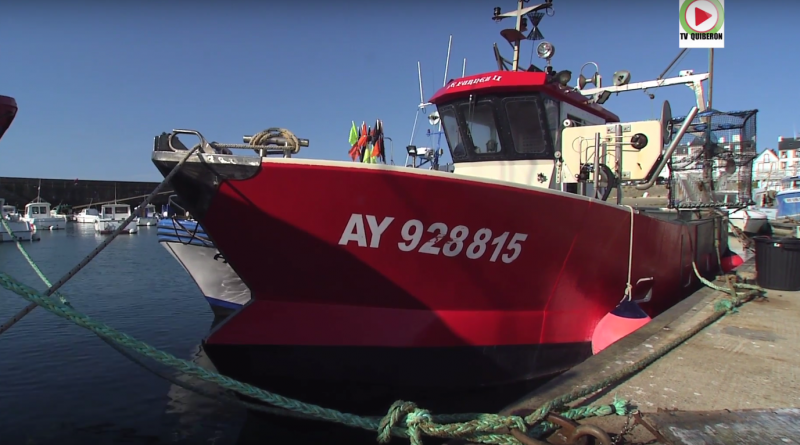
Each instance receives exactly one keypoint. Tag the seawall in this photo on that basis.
(81, 192)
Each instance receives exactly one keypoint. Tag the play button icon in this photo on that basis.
(700, 16)
(702, 24)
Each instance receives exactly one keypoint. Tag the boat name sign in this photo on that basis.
(474, 81)
(506, 247)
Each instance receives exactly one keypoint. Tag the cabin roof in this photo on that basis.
(518, 81)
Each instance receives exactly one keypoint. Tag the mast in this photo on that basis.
(520, 5)
(515, 37)
(710, 74)
(708, 149)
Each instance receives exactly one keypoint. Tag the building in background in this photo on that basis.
(772, 166)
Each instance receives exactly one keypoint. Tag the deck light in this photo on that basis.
(604, 96)
(545, 50)
(412, 150)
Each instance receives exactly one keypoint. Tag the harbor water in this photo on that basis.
(62, 384)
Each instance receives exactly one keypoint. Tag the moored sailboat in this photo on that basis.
(531, 253)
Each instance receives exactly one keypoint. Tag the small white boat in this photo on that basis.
(148, 217)
(87, 216)
(748, 219)
(10, 212)
(111, 216)
(37, 212)
(21, 230)
(765, 203)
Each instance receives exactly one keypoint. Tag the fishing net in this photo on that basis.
(712, 164)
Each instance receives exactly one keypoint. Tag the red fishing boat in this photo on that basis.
(526, 252)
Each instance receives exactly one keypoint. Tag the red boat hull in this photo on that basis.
(8, 110)
(339, 296)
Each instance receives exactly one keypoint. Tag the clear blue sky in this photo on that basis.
(95, 81)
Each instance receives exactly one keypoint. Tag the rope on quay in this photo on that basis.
(68, 276)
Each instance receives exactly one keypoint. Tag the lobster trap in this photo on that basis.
(712, 165)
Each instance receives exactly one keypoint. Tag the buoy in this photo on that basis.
(624, 319)
(731, 261)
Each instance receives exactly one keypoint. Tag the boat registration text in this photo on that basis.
(505, 247)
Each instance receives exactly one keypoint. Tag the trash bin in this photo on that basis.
(778, 263)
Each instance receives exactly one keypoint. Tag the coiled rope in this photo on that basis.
(261, 140)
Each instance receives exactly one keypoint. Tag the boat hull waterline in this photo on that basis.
(146, 221)
(22, 231)
(189, 245)
(108, 226)
(337, 266)
(48, 223)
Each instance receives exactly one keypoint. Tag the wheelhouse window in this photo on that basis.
(451, 132)
(500, 127)
(526, 124)
(481, 127)
(552, 111)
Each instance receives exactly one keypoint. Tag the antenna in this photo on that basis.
(419, 75)
(447, 62)
(464, 68)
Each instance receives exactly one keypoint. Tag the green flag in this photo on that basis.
(353, 135)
